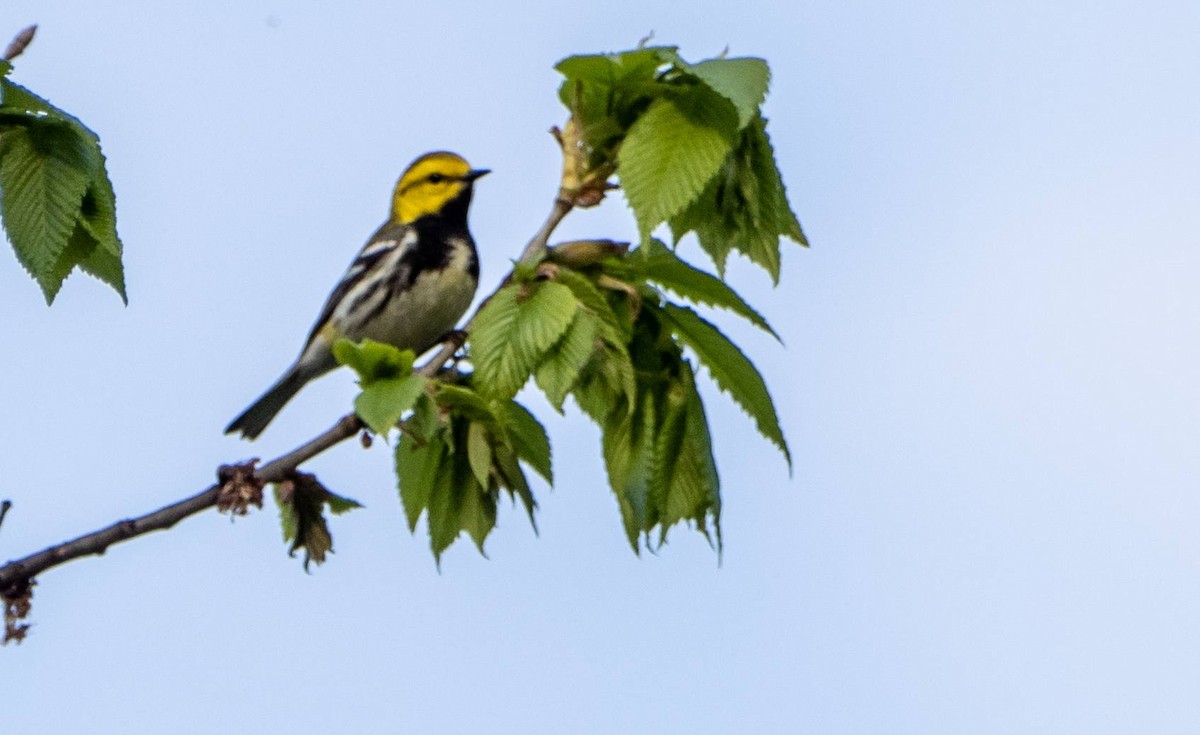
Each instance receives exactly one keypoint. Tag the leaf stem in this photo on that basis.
(537, 245)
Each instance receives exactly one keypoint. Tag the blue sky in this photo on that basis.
(989, 383)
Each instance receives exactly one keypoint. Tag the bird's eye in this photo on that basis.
(436, 178)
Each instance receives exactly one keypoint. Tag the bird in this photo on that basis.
(408, 286)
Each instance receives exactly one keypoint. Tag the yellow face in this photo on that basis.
(429, 183)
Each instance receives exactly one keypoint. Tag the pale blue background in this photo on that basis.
(989, 383)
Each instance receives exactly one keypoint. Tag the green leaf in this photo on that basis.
(15, 98)
(443, 514)
(628, 448)
(744, 207)
(699, 474)
(559, 371)
(670, 154)
(98, 216)
(512, 478)
(714, 229)
(545, 316)
(104, 265)
(607, 384)
(302, 501)
(80, 248)
(592, 301)
(462, 401)
(454, 475)
(382, 402)
(527, 437)
(607, 92)
(685, 464)
(608, 377)
(742, 81)
(595, 396)
(457, 502)
(730, 369)
(477, 513)
(770, 181)
(659, 456)
(668, 440)
(479, 452)
(373, 360)
(425, 420)
(84, 252)
(389, 385)
(289, 519)
(43, 176)
(418, 466)
(662, 266)
(340, 505)
(498, 362)
(512, 332)
(613, 69)
(45, 157)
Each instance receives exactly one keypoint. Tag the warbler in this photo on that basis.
(408, 287)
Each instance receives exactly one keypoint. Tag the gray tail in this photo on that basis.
(254, 419)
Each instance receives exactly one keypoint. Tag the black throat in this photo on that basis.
(435, 232)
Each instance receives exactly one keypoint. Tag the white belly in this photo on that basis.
(416, 318)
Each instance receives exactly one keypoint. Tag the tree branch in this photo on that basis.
(537, 245)
(17, 574)
(533, 250)
(239, 486)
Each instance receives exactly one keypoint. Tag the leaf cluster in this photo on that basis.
(56, 199)
(689, 145)
(606, 334)
(458, 448)
(458, 451)
(595, 324)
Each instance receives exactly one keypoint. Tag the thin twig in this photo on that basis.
(22, 570)
(4, 507)
(17, 575)
(537, 246)
(278, 469)
(16, 572)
